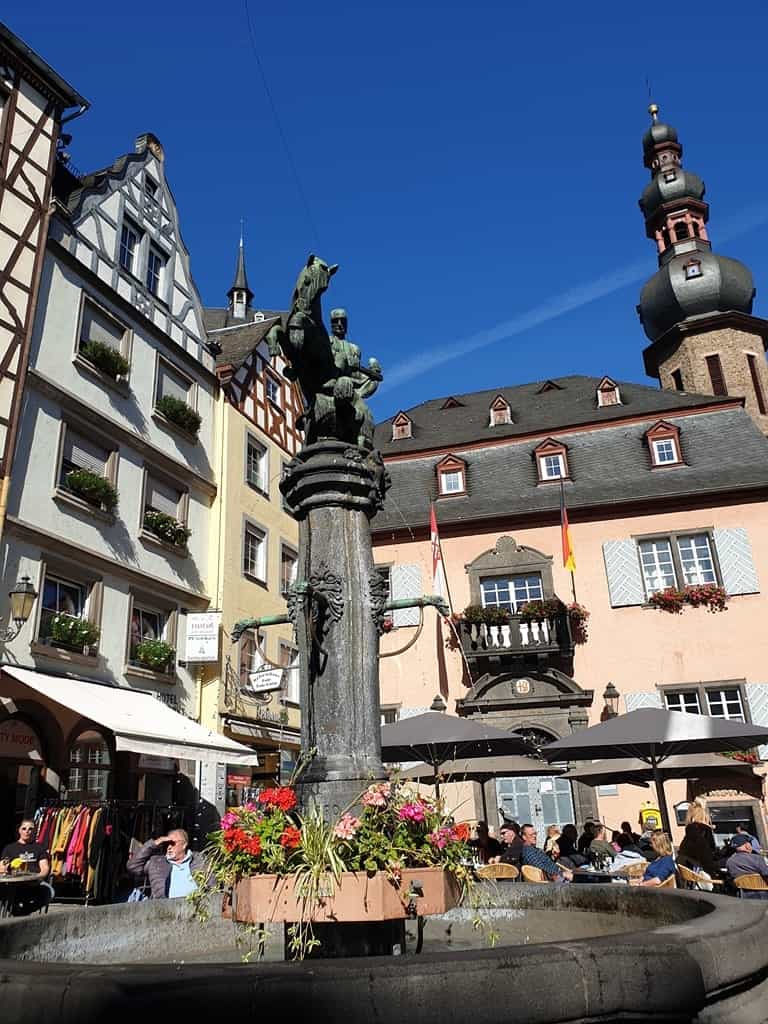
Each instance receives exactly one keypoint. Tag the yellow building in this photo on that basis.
(254, 546)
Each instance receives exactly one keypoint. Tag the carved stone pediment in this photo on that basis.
(508, 558)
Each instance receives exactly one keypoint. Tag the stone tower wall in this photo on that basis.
(732, 344)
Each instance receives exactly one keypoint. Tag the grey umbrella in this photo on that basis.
(654, 735)
(633, 771)
(435, 737)
(480, 769)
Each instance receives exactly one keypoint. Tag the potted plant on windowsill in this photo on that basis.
(707, 595)
(72, 633)
(180, 414)
(537, 619)
(495, 619)
(474, 616)
(106, 359)
(577, 617)
(166, 528)
(93, 488)
(156, 655)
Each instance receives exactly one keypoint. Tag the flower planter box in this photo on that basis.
(358, 897)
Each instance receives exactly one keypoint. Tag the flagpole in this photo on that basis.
(573, 587)
(451, 624)
(565, 523)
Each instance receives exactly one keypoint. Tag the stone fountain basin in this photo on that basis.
(566, 954)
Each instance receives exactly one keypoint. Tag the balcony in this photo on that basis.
(549, 637)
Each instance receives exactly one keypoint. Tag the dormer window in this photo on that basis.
(402, 427)
(551, 461)
(452, 403)
(663, 440)
(451, 476)
(692, 269)
(500, 412)
(608, 392)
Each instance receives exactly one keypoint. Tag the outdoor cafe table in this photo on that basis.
(598, 877)
(9, 889)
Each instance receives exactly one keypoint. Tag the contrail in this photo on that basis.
(555, 306)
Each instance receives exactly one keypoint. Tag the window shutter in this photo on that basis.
(757, 698)
(622, 567)
(406, 582)
(734, 553)
(98, 327)
(162, 498)
(644, 699)
(84, 454)
(171, 383)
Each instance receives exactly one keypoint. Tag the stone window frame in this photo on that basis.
(252, 524)
(86, 429)
(662, 430)
(182, 510)
(402, 427)
(169, 611)
(191, 398)
(94, 586)
(126, 345)
(252, 438)
(286, 547)
(672, 536)
(449, 465)
(508, 558)
(551, 447)
(701, 687)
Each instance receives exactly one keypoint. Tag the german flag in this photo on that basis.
(569, 560)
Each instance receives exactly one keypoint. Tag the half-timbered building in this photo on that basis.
(33, 102)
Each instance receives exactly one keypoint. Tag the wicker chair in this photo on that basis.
(532, 874)
(692, 879)
(497, 871)
(668, 883)
(751, 883)
(636, 870)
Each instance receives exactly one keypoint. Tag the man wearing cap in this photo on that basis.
(509, 833)
(743, 861)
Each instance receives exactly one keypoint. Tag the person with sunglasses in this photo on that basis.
(169, 865)
(31, 861)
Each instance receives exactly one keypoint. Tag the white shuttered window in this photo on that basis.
(161, 497)
(80, 453)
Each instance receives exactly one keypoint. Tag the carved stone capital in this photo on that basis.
(332, 473)
(377, 594)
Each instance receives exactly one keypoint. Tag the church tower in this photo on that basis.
(697, 308)
(240, 295)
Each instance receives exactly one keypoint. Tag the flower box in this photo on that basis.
(358, 896)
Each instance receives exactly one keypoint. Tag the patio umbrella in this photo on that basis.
(481, 770)
(435, 737)
(633, 771)
(655, 735)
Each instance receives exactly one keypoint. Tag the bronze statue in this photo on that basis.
(328, 368)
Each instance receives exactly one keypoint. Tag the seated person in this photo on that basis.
(512, 844)
(568, 846)
(484, 844)
(586, 838)
(169, 865)
(30, 860)
(600, 847)
(660, 869)
(626, 828)
(743, 861)
(538, 859)
(552, 840)
(629, 853)
(697, 850)
(743, 832)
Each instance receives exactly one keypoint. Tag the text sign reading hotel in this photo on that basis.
(203, 636)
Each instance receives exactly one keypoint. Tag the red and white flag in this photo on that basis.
(439, 586)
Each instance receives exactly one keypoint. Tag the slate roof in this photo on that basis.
(574, 402)
(243, 336)
(723, 451)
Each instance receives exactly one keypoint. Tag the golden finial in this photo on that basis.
(653, 110)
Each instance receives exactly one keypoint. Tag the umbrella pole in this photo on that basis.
(436, 768)
(485, 805)
(661, 796)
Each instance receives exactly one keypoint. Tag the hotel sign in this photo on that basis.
(203, 636)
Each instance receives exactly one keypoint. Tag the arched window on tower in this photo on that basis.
(681, 231)
(696, 229)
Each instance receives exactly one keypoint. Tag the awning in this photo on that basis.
(140, 722)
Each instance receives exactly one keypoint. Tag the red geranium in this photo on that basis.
(290, 838)
(234, 838)
(461, 831)
(282, 797)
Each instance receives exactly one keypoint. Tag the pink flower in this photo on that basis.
(250, 806)
(376, 795)
(441, 837)
(411, 812)
(346, 826)
(229, 819)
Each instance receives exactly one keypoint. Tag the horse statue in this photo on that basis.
(328, 368)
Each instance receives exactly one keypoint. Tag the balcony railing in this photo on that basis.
(548, 636)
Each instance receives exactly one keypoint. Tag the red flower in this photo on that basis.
(461, 831)
(234, 839)
(281, 797)
(290, 838)
(253, 846)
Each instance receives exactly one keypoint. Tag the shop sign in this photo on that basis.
(236, 779)
(155, 763)
(19, 741)
(265, 679)
(203, 636)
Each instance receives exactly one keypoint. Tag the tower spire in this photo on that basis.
(240, 295)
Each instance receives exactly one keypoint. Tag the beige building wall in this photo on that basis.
(637, 648)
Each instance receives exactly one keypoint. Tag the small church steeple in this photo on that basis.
(240, 295)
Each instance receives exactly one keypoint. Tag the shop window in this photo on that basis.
(90, 767)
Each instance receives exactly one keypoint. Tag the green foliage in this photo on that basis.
(105, 358)
(154, 654)
(495, 616)
(180, 413)
(74, 632)
(166, 527)
(474, 613)
(537, 611)
(94, 489)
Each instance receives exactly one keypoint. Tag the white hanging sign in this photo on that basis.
(264, 679)
(203, 636)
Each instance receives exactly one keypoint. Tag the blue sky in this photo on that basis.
(474, 168)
